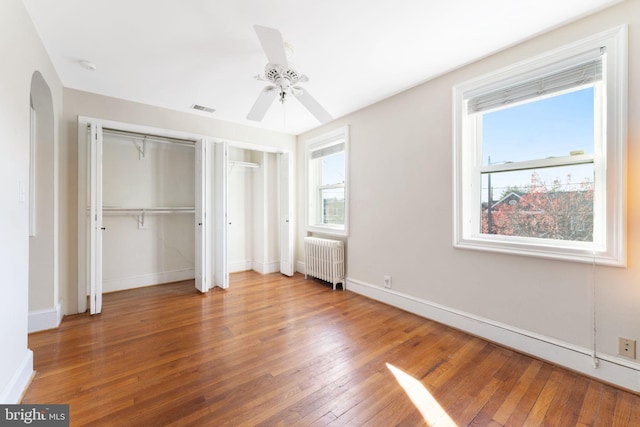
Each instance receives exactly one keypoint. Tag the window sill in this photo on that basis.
(328, 231)
(581, 252)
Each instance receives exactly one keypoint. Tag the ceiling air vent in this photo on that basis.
(202, 108)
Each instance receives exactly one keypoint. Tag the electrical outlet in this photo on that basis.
(387, 281)
(627, 347)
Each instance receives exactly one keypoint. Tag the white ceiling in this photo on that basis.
(173, 54)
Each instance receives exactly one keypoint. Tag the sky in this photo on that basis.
(333, 168)
(552, 127)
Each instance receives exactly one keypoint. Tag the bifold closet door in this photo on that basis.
(201, 220)
(221, 166)
(96, 228)
(286, 214)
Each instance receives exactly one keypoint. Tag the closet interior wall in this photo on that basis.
(148, 211)
(254, 240)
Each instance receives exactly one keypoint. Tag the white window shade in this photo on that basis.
(579, 71)
(327, 151)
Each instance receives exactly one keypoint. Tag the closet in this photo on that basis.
(141, 209)
(156, 206)
(253, 233)
(148, 208)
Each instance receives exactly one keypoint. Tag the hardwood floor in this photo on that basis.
(284, 351)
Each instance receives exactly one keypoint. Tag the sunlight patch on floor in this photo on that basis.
(428, 406)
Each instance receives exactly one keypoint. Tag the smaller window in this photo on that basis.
(327, 201)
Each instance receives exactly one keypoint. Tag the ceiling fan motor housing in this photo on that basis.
(281, 76)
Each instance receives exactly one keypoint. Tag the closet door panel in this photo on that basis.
(95, 220)
(286, 215)
(221, 274)
(201, 220)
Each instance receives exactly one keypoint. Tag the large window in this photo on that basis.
(327, 201)
(539, 150)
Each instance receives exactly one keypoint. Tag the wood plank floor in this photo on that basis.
(284, 351)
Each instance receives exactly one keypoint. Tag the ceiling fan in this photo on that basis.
(283, 77)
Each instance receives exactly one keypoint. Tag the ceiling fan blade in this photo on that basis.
(272, 44)
(262, 104)
(312, 105)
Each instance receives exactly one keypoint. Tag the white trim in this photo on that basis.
(151, 279)
(266, 267)
(327, 230)
(33, 150)
(41, 320)
(611, 369)
(151, 130)
(238, 266)
(250, 145)
(301, 267)
(17, 385)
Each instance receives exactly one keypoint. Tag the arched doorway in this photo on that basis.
(44, 307)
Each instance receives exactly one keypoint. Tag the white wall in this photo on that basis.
(401, 224)
(161, 249)
(78, 103)
(22, 54)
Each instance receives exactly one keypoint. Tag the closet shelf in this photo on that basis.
(244, 164)
(141, 211)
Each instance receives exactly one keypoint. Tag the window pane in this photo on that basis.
(333, 168)
(550, 203)
(332, 203)
(550, 127)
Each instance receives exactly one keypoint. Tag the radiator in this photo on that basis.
(324, 259)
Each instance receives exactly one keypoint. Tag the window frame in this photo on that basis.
(314, 187)
(609, 243)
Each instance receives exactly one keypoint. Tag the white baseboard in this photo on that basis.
(611, 369)
(266, 267)
(237, 266)
(41, 320)
(300, 267)
(12, 394)
(147, 280)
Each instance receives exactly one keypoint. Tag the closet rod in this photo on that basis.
(244, 164)
(155, 138)
(149, 210)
